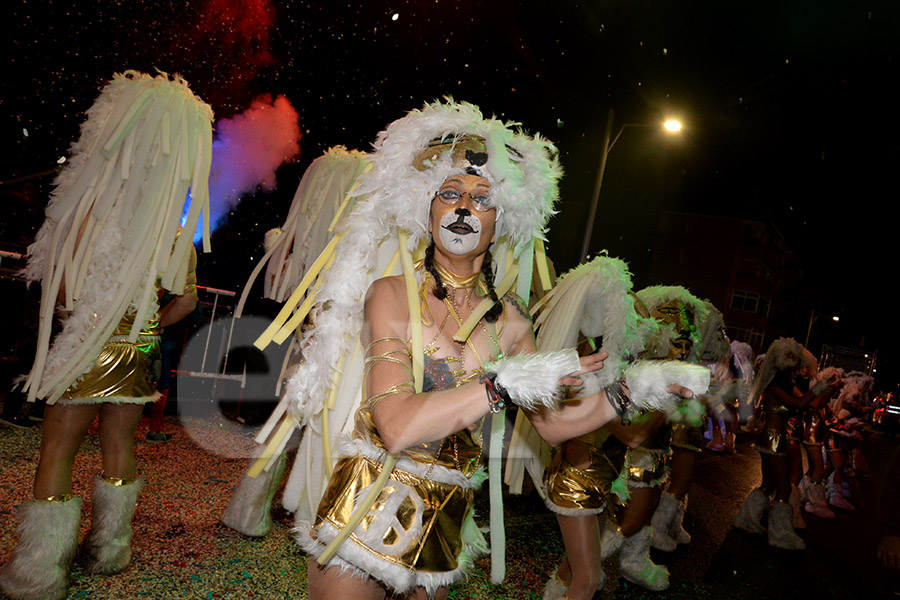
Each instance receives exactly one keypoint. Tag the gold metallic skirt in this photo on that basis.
(419, 532)
(773, 441)
(123, 372)
(581, 492)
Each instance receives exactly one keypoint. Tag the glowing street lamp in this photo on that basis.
(813, 317)
(671, 126)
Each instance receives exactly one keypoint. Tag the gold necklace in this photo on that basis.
(451, 279)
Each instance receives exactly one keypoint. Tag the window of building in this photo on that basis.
(750, 302)
(751, 335)
(745, 301)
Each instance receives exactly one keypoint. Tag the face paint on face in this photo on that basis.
(674, 314)
(460, 231)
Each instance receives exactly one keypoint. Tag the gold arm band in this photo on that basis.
(118, 481)
(388, 339)
(59, 498)
(387, 357)
(406, 387)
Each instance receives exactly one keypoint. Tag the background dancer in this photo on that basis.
(106, 249)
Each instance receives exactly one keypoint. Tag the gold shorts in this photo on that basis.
(123, 372)
(648, 467)
(773, 441)
(581, 492)
(419, 532)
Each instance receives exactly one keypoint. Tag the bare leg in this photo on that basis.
(330, 584)
(64, 429)
(816, 470)
(795, 461)
(683, 462)
(776, 476)
(117, 425)
(419, 594)
(639, 509)
(582, 565)
(838, 460)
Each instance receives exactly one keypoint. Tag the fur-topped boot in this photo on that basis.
(749, 517)
(636, 566)
(250, 509)
(555, 589)
(781, 529)
(40, 563)
(107, 547)
(803, 486)
(817, 504)
(676, 529)
(835, 495)
(611, 541)
(662, 522)
(796, 514)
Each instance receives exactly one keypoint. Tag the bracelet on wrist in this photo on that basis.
(620, 402)
(497, 397)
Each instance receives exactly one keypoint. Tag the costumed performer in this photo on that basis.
(773, 391)
(321, 200)
(843, 433)
(810, 491)
(649, 438)
(440, 347)
(590, 306)
(109, 244)
(714, 352)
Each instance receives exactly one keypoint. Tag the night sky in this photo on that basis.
(789, 109)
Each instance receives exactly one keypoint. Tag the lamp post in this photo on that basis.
(813, 317)
(671, 126)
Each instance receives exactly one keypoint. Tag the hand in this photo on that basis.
(889, 552)
(589, 363)
(680, 390)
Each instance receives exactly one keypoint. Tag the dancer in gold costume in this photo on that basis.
(107, 249)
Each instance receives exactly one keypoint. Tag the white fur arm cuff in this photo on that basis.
(819, 388)
(648, 382)
(532, 380)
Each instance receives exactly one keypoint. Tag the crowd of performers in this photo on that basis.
(420, 307)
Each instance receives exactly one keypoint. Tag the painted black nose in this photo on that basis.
(464, 212)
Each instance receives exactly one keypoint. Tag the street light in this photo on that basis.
(813, 317)
(672, 126)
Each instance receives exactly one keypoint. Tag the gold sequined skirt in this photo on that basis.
(416, 529)
(123, 372)
(581, 492)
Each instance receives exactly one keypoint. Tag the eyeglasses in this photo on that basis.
(450, 197)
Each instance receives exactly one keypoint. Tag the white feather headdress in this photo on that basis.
(112, 220)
